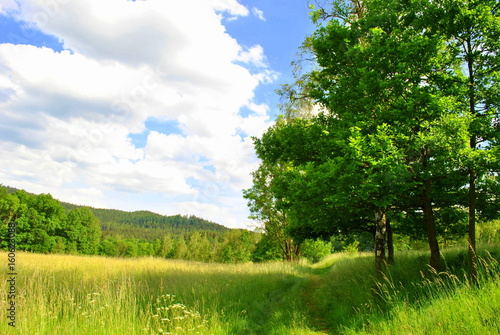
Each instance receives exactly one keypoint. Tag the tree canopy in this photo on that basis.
(409, 99)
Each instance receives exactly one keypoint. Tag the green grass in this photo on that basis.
(410, 298)
(62, 294)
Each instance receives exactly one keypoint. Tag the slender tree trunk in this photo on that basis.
(430, 224)
(430, 227)
(288, 251)
(291, 251)
(297, 252)
(390, 243)
(380, 232)
(472, 172)
(472, 226)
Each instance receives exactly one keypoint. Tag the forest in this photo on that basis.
(45, 225)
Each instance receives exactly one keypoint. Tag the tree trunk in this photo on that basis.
(292, 251)
(430, 226)
(390, 243)
(380, 232)
(472, 227)
(288, 250)
(297, 252)
(472, 172)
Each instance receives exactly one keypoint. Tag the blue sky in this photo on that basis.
(143, 105)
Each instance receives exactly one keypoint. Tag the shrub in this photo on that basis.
(315, 250)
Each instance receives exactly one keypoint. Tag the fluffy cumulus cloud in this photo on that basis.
(71, 119)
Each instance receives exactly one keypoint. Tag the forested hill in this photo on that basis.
(149, 226)
(145, 225)
(42, 224)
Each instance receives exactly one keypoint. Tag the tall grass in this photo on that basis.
(440, 304)
(62, 294)
(411, 298)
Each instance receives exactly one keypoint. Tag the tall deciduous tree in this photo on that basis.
(472, 29)
(264, 209)
(378, 69)
(82, 229)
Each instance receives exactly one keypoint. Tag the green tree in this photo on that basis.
(60, 245)
(472, 28)
(9, 207)
(267, 250)
(180, 250)
(108, 247)
(264, 209)
(145, 248)
(377, 75)
(332, 173)
(38, 220)
(236, 247)
(199, 247)
(9, 210)
(167, 244)
(82, 227)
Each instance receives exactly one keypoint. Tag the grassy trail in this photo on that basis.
(314, 297)
(345, 298)
(317, 319)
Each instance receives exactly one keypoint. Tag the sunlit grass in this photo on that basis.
(411, 298)
(62, 294)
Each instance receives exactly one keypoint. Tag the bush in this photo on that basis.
(315, 250)
(489, 232)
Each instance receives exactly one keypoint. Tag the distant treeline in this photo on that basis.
(45, 225)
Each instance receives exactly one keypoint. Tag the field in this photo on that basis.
(63, 294)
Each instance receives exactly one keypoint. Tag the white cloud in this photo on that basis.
(260, 14)
(253, 55)
(7, 6)
(231, 6)
(66, 116)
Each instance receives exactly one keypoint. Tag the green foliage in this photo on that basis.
(409, 94)
(236, 247)
(267, 250)
(83, 229)
(352, 248)
(180, 249)
(315, 250)
(200, 249)
(166, 246)
(489, 232)
(149, 226)
(44, 226)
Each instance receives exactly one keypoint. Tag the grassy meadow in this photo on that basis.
(64, 294)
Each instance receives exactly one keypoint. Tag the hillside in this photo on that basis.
(144, 225)
(150, 226)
